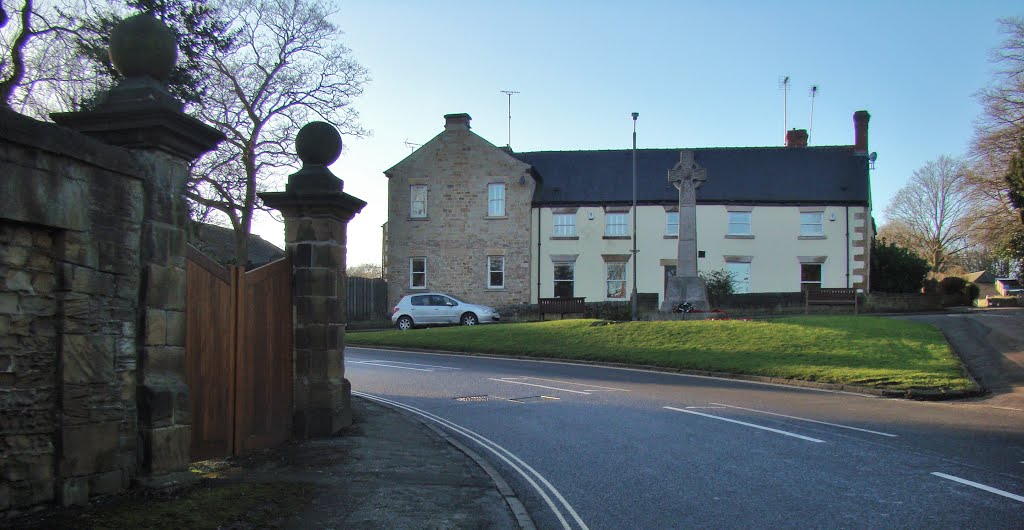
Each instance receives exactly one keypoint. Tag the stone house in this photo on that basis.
(459, 219)
(502, 228)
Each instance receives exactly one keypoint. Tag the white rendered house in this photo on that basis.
(779, 219)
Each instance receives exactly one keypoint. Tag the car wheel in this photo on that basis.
(469, 319)
(404, 323)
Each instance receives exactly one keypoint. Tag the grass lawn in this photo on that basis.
(866, 351)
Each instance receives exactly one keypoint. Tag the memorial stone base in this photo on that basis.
(689, 289)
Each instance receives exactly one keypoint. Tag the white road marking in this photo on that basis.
(541, 386)
(689, 408)
(608, 388)
(411, 364)
(504, 454)
(989, 489)
(763, 428)
(809, 420)
(392, 366)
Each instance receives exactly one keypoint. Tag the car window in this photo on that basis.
(421, 300)
(449, 301)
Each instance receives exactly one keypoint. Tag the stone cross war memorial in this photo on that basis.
(686, 286)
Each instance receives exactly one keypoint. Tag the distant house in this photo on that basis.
(499, 227)
(1009, 287)
(985, 281)
(218, 243)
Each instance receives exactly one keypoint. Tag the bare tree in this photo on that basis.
(899, 232)
(38, 57)
(365, 270)
(287, 67)
(1002, 119)
(14, 64)
(933, 211)
(998, 135)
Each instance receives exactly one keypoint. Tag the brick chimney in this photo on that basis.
(860, 132)
(796, 138)
(453, 122)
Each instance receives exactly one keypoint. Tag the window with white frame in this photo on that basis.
(565, 225)
(418, 201)
(739, 224)
(565, 276)
(615, 279)
(418, 273)
(616, 224)
(496, 200)
(495, 272)
(739, 276)
(810, 276)
(810, 224)
(671, 223)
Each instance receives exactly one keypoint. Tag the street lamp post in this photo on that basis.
(635, 301)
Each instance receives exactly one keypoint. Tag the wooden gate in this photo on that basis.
(238, 356)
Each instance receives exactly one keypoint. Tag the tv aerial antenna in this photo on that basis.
(509, 93)
(812, 92)
(412, 147)
(784, 86)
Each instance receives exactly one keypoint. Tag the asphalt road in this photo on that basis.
(595, 447)
(991, 341)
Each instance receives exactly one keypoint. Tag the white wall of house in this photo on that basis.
(774, 248)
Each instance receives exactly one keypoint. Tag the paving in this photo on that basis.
(990, 342)
(391, 471)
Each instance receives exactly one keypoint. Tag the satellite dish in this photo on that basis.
(873, 156)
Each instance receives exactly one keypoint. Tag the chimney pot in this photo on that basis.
(796, 138)
(860, 131)
(456, 122)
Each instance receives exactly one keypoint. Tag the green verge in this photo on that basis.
(866, 351)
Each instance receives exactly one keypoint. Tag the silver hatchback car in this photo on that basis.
(437, 308)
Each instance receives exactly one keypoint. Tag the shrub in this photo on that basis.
(609, 310)
(719, 284)
(952, 285)
(895, 269)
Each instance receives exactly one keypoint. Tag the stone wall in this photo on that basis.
(457, 235)
(70, 222)
(860, 243)
(28, 364)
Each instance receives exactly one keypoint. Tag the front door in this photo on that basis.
(740, 273)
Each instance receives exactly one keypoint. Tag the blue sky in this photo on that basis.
(701, 74)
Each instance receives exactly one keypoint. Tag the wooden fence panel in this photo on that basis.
(263, 410)
(209, 355)
(366, 299)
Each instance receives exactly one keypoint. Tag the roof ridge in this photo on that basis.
(735, 148)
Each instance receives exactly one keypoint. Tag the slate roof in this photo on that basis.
(218, 243)
(737, 175)
(979, 277)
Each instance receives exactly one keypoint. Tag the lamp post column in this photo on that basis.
(634, 294)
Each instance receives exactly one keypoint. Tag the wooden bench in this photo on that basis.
(830, 296)
(562, 306)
